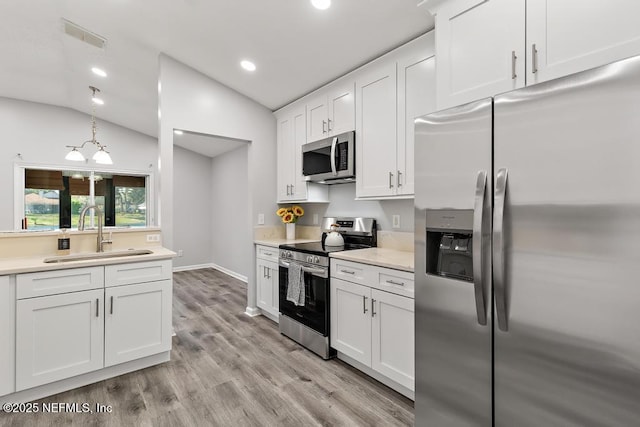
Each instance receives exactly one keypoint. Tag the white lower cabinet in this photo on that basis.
(58, 336)
(267, 281)
(7, 335)
(62, 335)
(373, 326)
(137, 321)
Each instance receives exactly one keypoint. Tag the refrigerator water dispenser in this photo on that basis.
(449, 243)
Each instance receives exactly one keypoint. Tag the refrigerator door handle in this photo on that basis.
(499, 284)
(478, 247)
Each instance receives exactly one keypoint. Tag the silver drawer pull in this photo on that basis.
(395, 283)
(268, 253)
(347, 272)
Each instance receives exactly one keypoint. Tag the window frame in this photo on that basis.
(19, 187)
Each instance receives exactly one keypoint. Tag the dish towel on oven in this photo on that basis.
(295, 287)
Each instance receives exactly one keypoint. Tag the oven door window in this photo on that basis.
(314, 313)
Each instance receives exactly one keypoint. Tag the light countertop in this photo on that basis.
(36, 263)
(382, 257)
(281, 241)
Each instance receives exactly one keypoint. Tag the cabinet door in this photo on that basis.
(476, 41)
(416, 97)
(351, 320)
(7, 335)
(572, 35)
(393, 338)
(376, 132)
(137, 322)
(58, 337)
(298, 183)
(285, 157)
(317, 114)
(342, 109)
(265, 292)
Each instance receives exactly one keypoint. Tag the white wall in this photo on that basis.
(39, 132)
(342, 203)
(230, 215)
(192, 207)
(191, 101)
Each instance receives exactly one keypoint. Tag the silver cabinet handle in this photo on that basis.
(534, 59)
(292, 191)
(498, 249)
(390, 179)
(373, 307)
(364, 304)
(393, 282)
(324, 126)
(264, 272)
(97, 307)
(288, 190)
(347, 272)
(513, 65)
(329, 125)
(479, 221)
(111, 309)
(268, 253)
(398, 175)
(334, 169)
(268, 273)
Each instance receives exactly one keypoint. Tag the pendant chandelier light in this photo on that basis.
(101, 156)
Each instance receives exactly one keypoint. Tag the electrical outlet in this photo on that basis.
(180, 252)
(153, 237)
(395, 221)
(315, 219)
(260, 219)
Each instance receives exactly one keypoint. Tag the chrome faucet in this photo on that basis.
(98, 212)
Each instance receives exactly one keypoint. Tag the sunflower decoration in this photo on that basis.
(291, 214)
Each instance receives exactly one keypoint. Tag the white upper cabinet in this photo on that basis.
(292, 128)
(416, 97)
(565, 36)
(376, 132)
(486, 47)
(389, 96)
(480, 46)
(331, 111)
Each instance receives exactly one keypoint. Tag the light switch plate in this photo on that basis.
(260, 219)
(395, 221)
(153, 237)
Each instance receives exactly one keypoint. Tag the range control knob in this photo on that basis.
(309, 258)
(316, 260)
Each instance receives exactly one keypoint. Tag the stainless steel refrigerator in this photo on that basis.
(528, 256)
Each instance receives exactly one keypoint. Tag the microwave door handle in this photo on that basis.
(333, 156)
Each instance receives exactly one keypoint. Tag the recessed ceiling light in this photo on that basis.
(98, 101)
(321, 4)
(177, 132)
(99, 72)
(248, 65)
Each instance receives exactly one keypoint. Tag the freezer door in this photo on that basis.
(567, 250)
(453, 318)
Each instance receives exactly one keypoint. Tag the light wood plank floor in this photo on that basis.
(228, 369)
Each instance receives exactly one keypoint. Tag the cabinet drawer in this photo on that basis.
(350, 271)
(395, 281)
(267, 253)
(45, 283)
(137, 272)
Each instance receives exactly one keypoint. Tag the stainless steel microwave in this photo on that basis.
(330, 160)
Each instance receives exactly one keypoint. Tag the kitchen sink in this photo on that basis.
(97, 255)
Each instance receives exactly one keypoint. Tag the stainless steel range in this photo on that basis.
(305, 318)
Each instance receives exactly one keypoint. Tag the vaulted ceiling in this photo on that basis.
(295, 47)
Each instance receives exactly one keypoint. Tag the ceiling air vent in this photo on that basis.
(84, 35)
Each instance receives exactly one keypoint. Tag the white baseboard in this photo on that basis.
(253, 311)
(193, 267)
(230, 273)
(214, 266)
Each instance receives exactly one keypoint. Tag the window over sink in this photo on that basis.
(50, 198)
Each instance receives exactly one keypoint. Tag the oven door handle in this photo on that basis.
(333, 156)
(320, 272)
